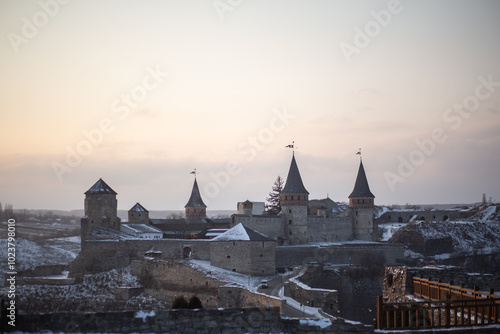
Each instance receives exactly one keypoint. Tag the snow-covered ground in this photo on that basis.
(389, 229)
(249, 282)
(30, 254)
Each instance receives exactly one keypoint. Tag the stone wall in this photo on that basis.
(326, 229)
(231, 296)
(166, 280)
(102, 255)
(357, 288)
(326, 299)
(272, 226)
(404, 216)
(235, 321)
(354, 253)
(247, 257)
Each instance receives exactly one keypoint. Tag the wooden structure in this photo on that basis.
(446, 306)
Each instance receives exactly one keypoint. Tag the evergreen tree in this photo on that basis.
(1, 213)
(273, 206)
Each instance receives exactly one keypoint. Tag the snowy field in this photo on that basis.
(30, 254)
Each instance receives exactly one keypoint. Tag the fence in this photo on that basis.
(448, 306)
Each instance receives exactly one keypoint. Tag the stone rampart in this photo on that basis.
(342, 253)
(326, 229)
(166, 280)
(235, 321)
(323, 298)
(404, 216)
(233, 296)
(97, 256)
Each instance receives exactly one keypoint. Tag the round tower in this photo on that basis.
(294, 199)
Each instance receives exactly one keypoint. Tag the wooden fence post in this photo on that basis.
(380, 317)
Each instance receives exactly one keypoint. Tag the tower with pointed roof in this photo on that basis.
(100, 208)
(195, 208)
(294, 199)
(361, 205)
(138, 214)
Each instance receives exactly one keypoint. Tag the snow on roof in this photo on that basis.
(100, 187)
(138, 208)
(142, 228)
(242, 233)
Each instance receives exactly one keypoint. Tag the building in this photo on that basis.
(141, 231)
(100, 208)
(303, 221)
(138, 215)
(244, 250)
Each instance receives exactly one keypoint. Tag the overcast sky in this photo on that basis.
(142, 92)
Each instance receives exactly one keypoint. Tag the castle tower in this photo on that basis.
(138, 215)
(247, 207)
(361, 204)
(100, 208)
(294, 199)
(195, 208)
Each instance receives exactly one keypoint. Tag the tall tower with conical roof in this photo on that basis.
(195, 208)
(100, 209)
(361, 204)
(294, 199)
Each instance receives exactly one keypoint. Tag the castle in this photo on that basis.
(301, 221)
(249, 242)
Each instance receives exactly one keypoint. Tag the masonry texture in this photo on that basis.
(231, 321)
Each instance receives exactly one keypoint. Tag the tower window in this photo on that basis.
(356, 213)
(290, 222)
(290, 211)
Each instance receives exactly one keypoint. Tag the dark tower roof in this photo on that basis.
(361, 187)
(100, 187)
(138, 208)
(195, 199)
(294, 183)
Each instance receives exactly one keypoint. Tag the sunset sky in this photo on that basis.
(140, 93)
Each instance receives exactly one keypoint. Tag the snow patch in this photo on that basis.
(144, 314)
(488, 213)
(321, 323)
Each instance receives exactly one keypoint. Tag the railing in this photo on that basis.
(428, 289)
(448, 306)
(436, 314)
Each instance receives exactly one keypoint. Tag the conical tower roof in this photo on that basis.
(361, 187)
(100, 187)
(195, 199)
(294, 183)
(138, 208)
